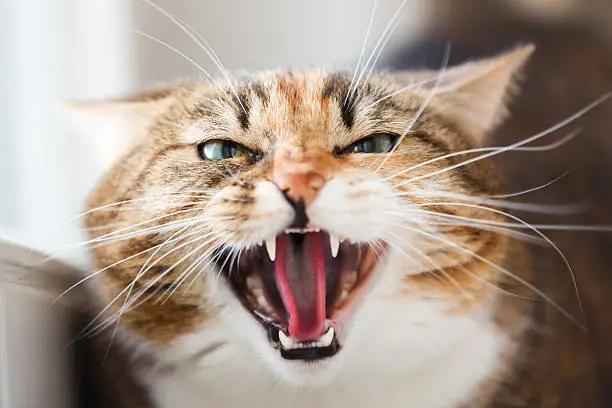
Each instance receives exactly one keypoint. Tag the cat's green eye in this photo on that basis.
(378, 143)
(223, 149)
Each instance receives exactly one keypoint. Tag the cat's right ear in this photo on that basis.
(475, 94)
(111, 126)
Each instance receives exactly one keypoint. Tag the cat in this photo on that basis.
(572, 66)
(310, 238)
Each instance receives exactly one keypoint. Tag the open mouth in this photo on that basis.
(298, 284)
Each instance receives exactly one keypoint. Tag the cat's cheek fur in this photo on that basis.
(267, 215)
(356, 207)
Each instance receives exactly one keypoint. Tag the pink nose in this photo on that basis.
(300, 172)
(300, 186)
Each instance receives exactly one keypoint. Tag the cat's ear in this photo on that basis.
(111, 126)
(474, 95)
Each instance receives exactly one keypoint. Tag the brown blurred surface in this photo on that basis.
(572, 66)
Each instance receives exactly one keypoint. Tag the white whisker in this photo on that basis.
(202, 43)
(543, 148)
(503, 271)
(177, 51)
(401, 90)
(533, 138)
(434, 264)
(530, 190)
(360, 60)
(378, 54)
(527, 207)
(534, 229)
(422, 108)
(378, 43)
(92, 275)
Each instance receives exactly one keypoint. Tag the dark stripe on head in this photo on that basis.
(260, 92)
(336, 87)
(248, 94)
(243, 112)
(348, 113)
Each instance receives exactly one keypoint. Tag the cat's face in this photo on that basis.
(301, 216)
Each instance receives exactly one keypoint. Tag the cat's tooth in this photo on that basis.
(334, 244)
(271, 248)
(327, 338)
(350, 278)
(263, 303)
(251, 283)
(343, 296)
(285, 340)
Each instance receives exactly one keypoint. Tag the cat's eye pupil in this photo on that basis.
(380, 143)
(223, 149)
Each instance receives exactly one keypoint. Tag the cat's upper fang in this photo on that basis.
(334, 244)
(271, 248)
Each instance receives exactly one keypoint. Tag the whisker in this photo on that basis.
(503, 271)
(378, 43)
(202, 43)
(411, 259)
(482, 280)
(91, 275)
(177, 51)
(115, 236)
(184, 274)
(545, 227)
(401, 90)
(361, 54)
(378, 54)
(126, 289)
(527, 207)
(534, 229)
(535, 137)
(191, 268)
(146, 263)
(423, 106)
(107, 207)
(129, 302)
(435, 265)
(530, 190)
(525, 237)
(543, 148)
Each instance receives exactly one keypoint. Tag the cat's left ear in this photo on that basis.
(474, 95)
(111, 126)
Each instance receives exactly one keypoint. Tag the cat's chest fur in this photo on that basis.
(442, 365)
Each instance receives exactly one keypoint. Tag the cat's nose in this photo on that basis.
(300, 186)
(298, 174)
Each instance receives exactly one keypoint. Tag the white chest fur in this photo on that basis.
(421, 357)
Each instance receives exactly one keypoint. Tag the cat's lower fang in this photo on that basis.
(257, 292)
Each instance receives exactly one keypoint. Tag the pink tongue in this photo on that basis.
(300, 278)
